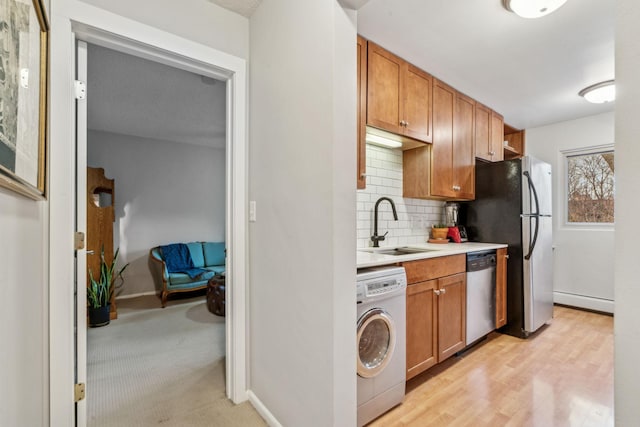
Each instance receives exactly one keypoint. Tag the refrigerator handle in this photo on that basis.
(533, 190)
(532, 244)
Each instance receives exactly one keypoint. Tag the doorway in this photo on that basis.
(158, 133)
(201, 60)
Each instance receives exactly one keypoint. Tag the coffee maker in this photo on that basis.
(457, 232)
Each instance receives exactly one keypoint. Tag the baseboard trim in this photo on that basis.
(141, 294)
(590, 303)
(262, 410)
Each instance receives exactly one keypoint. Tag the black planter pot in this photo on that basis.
(99, 316)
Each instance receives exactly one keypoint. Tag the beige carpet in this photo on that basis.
(161, 366)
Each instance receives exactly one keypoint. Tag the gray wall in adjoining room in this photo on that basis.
(164, 193)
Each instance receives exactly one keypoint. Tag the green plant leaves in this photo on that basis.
(100, 291)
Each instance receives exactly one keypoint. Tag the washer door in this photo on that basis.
(376, 342)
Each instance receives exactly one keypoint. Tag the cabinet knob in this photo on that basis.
(443, 291)
(406, 124)
(491, 153)
(456, 188)
(363, 175)
(401, 122)
(506, 256)
(437, 292)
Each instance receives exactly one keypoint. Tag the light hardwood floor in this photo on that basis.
(561, 376)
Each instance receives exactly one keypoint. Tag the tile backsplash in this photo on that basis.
(415, 216)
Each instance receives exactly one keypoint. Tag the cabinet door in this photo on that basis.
(497, 137)
(415, 172)
(421, 327)
(415, 109)
(483, 131)
(464, 159)
(501, 287)
(452, 325)
(444, 98)
(383, 89)
(362, 113)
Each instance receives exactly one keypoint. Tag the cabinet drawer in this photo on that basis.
(432, 268)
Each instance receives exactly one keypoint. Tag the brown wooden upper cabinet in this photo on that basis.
(489, 134)
(362, 113)
(515, 142)
(497, 137)
(398, 95)
(464, 161)
(453, 150)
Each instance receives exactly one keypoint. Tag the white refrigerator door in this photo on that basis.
(540, 174)
(538, 273)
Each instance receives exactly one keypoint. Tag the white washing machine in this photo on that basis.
(381, 340)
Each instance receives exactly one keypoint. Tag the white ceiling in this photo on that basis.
(134, 96)
(528, 70)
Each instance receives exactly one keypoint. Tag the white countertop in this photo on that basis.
(372, 259)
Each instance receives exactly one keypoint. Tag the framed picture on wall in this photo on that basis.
(24, 60)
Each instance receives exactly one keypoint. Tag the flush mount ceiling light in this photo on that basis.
(599, 93)
(532, 8)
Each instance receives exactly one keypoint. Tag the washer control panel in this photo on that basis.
(383, 286)
(379, 281)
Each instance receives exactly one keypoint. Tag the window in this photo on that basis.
(590, 186)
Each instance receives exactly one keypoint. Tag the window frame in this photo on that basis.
(585, 151)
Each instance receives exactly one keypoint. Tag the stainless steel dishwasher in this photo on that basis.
(481, 288)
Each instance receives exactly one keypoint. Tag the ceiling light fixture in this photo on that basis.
(600, 93)
(532, 8)
(382, 141)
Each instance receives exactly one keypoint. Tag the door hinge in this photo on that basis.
(78, 392)
(80, 89)
(78, 240)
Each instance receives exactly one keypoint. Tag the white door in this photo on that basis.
(81, 226)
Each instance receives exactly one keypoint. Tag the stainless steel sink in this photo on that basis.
(405, 250)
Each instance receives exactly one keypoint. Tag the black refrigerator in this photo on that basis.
(513, 206)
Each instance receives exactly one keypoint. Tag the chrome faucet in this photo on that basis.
(375, 238)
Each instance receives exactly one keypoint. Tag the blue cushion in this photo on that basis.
(182, 279)
(196, 254)
(219, 269)
(213, 253)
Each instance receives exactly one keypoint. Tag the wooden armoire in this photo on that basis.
(100, 218)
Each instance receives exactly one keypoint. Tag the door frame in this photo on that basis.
(98, 26)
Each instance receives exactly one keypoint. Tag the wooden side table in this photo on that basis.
(216, 294)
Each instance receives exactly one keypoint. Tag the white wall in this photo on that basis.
(627, 288)
(415, 216)
(24, 306)
(164, 193)
(197, 20)
(303, 244)
(583, 256)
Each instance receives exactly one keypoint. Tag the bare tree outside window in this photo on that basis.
(591, 188)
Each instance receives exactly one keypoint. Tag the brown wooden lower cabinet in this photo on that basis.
(436, 311)
(501, 287)
(452, 319)
(422, 322)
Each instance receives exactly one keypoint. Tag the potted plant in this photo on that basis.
(439, 231)
(100, 291)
